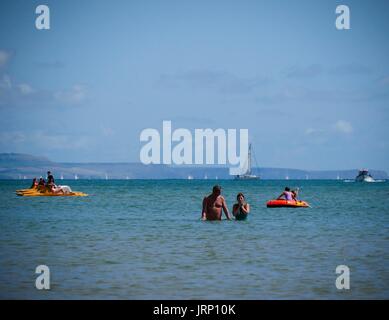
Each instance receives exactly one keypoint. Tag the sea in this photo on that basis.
(143, 239)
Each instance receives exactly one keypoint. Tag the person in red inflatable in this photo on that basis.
(287, 195)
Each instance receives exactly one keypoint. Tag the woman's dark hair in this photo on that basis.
(240, 194)
(287, 189)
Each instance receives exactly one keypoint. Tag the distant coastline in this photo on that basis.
(25, 166)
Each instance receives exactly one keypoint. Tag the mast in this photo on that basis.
(249, 161)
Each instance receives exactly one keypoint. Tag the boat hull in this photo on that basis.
(252, 177)
(37, 193)
(287, 204)
(364, 179)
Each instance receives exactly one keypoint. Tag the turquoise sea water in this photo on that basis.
(144, 240)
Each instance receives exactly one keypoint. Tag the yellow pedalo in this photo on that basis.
(37, 193)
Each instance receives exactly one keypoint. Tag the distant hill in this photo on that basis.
(19, 166)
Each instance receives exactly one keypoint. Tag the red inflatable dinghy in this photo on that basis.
(287, 203)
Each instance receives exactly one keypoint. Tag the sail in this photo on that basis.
(239, 171)
(245, 169)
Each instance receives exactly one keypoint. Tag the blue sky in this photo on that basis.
(312, 96)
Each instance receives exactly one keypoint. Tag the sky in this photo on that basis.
(312, 96)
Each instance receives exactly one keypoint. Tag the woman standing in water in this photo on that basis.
(241, 209)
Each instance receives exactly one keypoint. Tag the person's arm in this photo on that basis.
(245, 208)
(204, 210)
(280, 196)
(235, 208)
(225, 209)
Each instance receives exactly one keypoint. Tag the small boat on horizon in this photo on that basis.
(364, 176)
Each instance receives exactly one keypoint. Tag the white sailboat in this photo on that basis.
(76, 177)
(248, 175)
(61, 176)
(190, 177)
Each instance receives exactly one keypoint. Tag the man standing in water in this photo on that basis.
(213, 206)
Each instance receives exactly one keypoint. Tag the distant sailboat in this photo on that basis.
(127, 178)
(61, 176)
(286, 177)
(106, 176)
(306, 177)
(248, 174)
(190, 177)
(205, 177)
(76, 177)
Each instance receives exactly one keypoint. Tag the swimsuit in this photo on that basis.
(241, 215)
(288, 195)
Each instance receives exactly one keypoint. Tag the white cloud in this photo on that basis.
(220, 81)
(310, 131)
(59, 141)
(4, 57)
(12, 137)
(305, 72)
(25, 89)
(107, 131)
(343, 127)
(75, 95)
(44, 140)
(340, 126)
(5, 82)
